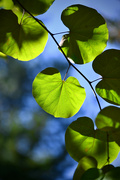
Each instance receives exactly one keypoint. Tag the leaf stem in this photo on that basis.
(96, 79)
(66, 72)
(22, 16)
(61, 33)
(108, 157)
(70, 63)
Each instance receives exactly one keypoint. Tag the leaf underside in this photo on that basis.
(88, 33)
(23, 41)
(56, 96)
(107, 65)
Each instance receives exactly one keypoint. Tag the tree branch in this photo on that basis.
(70, 63)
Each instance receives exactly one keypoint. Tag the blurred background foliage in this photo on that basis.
(32, 143)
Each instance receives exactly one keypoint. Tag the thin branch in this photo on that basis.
(96, 80)
(108, 156)
(70, 63)
(95, 96)
(61, 33)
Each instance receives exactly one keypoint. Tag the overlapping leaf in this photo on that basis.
(85, 163)
(88, 33)
(93, 174)
(56, 96)
(82, 140)
(23, 41)
(96, 174)
(108, 120)
(107, 65)
(2, 55)
(114, 174)
(35, 6)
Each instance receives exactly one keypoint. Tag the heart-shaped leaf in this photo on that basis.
(82, 140)
(107, 65)
(23, 41)
(88, 33)
(56, 96)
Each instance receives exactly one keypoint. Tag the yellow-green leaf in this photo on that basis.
(56, 96)
(82, 140)
(24, 40)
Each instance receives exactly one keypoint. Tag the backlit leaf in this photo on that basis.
(107, 65)
(2, 55)
(6, 4)
(23, 41)
(88, 33)
(36, 6)
(108, 120)
(82, 140)
(85, 163)
(56, 96)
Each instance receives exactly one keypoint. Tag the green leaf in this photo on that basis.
(107, 168)
(108, 120)
(96, 174)
(93, 174)
(88, 33)
(23, 41)
(107, 65)
(85, 163)
(36, 7)
(6, 4)
(56, 96)
(82, 140)
(2, 55)
(114, 174)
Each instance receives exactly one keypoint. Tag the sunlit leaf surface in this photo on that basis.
(23, 41)
(56, 96)
(107, 65)
(87, 35)
(7, 4)
(82, 140)
(2, 55)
